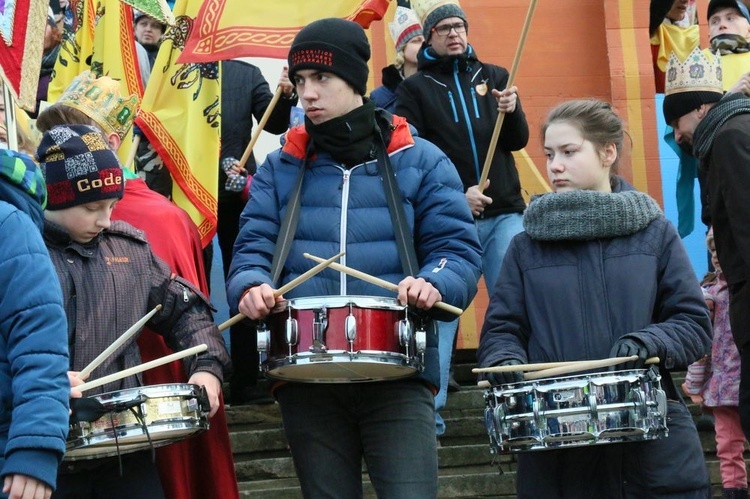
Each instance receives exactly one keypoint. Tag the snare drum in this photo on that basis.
(586, 409)
(139, 418)
(337, 339)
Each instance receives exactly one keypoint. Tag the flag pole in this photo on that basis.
(10, 118)
(259, 128)
(501, 116)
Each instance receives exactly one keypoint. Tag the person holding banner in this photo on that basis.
(110, 279)
(600, 272)
(454, 87)
(358, 170)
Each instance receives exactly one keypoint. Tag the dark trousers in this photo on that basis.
(102, 480)
(331, 427)
(739, 320)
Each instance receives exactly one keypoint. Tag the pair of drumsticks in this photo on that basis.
(322, 264)
(549, 369)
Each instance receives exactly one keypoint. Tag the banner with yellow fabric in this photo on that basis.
(180, 117)
(227, 29)
(114, 54)
(75, 49)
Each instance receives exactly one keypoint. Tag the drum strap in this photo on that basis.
(404, 237)
(289, 224)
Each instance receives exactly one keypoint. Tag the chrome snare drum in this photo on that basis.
(139, 418)
(586, 409)
(335, 339)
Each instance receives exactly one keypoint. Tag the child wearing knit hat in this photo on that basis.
(406, 32)
(110, 279)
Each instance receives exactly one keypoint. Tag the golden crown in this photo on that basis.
(699, 72)
(100, 100)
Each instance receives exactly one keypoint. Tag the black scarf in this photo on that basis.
(705, 133)
(350, 138)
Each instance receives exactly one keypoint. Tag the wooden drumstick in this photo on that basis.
(288, 286)
(118, 343)
(261, 125)
(379, 282)
(585, 365)
(143, 367)
(521, 367)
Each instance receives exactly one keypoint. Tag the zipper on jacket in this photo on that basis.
(468, 121)
(474, 101)
(453, 106)
(343, 224)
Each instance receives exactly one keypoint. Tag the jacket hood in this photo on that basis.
(22, 185)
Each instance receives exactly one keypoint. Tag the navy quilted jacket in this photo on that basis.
(346, 209)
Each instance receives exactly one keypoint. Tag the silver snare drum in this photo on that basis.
(139, 418)
(577, 410)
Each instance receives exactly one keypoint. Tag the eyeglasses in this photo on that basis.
(445, 29)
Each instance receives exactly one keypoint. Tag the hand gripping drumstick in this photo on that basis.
(143, 367)
(288, 286)
(379, 282)
(565, 368)
(118, 343)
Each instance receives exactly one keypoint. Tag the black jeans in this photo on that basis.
(331, 427)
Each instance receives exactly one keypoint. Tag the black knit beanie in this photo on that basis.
(334, 45)
(79, 167)
(679, 104)
(437, 15)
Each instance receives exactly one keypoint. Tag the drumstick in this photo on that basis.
(521, 367)
(261, 125)
(118, 343)
(143, 367)
(288, 286)
(379, 282)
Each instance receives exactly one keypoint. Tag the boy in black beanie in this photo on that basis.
(343, 157)
(110, 278)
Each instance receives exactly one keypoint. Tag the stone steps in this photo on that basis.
(466, 467)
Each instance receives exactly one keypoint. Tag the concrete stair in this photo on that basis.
(466, 468)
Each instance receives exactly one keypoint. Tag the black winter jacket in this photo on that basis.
(450, 103)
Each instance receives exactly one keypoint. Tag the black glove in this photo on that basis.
(626, 347)
(507, 377)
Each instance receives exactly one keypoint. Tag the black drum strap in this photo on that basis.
(404, 237)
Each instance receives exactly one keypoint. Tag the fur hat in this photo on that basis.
(334, 45)
(79, 167)
(404, 27)
(431, 12)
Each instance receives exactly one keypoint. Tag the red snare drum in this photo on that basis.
(335, 339)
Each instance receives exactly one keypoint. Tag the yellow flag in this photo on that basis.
(114, 53)
(76, 48)
(180, 117)
(227, 29)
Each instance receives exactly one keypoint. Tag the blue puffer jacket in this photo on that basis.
(34, 387)
(347, 210)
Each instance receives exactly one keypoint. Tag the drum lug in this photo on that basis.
(291, 331)
(263, 343)
(405, 333)
(319, 326)
(421, 340)
(350, 325)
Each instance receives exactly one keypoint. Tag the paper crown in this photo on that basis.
(423, 8)
(100, 100)
(404, 27)
(699, 72)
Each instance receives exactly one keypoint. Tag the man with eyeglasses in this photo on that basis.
(453, 101)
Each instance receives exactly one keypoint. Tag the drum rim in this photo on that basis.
(339, 301)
